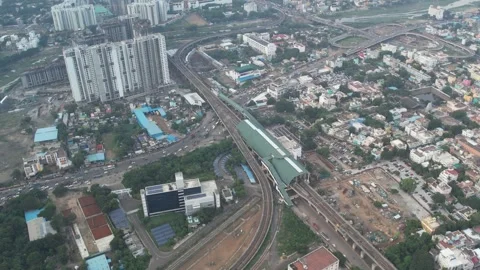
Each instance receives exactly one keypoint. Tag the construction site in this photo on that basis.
(222, 251)
(370, 201)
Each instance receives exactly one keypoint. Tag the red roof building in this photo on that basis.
(319, 259)
(97, 221)
(91, 210)
(101, 232)
(86, 201)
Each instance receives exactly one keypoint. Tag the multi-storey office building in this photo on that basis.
(114, 70)
(183, 195)
(73, 15)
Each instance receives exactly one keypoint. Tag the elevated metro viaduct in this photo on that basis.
(287, 174)
(276, 162)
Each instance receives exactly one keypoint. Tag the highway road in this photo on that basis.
(90, 175)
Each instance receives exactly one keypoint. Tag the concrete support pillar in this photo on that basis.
(362, 254)
(374, 266)
(354, 246)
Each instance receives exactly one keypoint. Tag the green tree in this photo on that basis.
(438, 198)
(447, 90)
(394, 191)
(78, 159)
(434, 123)
(341, 258)
(408, 185)
(324, 151)
(60, 191)
(271, 101)
(71, 107)
(284, 105)
(48, 211)
(422, 260)
(16, 174)
(377, 204)
(403, 73)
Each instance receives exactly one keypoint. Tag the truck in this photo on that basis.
(109, 167)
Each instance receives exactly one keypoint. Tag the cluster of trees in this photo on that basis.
(230, 55)
(284, 105)
(462, 116)
(16, 251)
(369, 121)
(294, 235)
(395, 152)
(412, 253)
(60, 191)
(104, 197)
(289, 53)
(122, 256)
(408, 185)
(348, 68)
(10, 59)
(198, 163)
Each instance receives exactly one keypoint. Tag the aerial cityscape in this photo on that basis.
(240, 134)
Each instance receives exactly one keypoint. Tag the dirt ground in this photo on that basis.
(196, 19)
(232, 242)
(377, 224)
(162, 124)
(70, 202)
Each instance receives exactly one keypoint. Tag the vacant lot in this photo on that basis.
(360, 197)
(12, 143)
(196, 19)
(223, 250)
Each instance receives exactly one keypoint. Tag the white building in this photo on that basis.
(153, 10)
(446, 159)
(436, 11)
(448, 175)
(260, 44)
(114, 70)
(73, 15)
(250, 6)
(440, 187)
(449, 259)
(423, 154)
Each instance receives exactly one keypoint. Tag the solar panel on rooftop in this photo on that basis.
(162, 234)
(196, 196)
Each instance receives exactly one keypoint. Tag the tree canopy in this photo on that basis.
(408, 185)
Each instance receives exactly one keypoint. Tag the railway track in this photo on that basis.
(230, 120)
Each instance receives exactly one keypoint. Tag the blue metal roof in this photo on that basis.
(96, 157)
(119, 219)
(46, 134)
(152, 129)
(98, 263)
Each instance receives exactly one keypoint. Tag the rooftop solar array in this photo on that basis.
(154, 189)
(119, 219)
(196, 196)
(162, 234)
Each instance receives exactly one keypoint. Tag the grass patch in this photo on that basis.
(294, 235)
(17, 68)
(351, 41)
(395, 10)
(10, 120)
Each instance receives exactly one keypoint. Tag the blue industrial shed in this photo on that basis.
(152, 129)
(46, 134)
